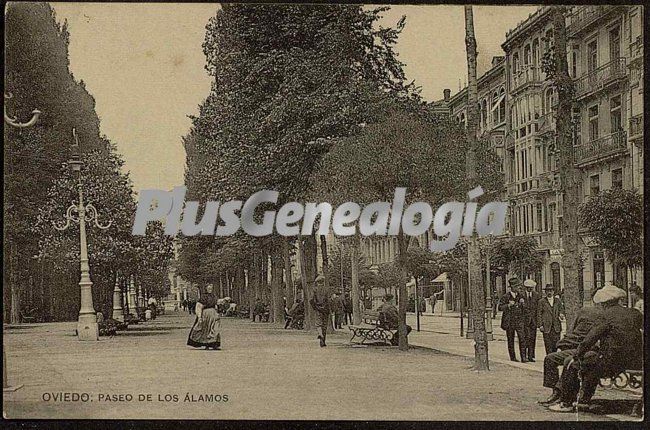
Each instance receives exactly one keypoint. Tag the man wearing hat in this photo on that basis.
(586, 318)
(549, 309)
(621, 347)
(512, 319)
(321, 304)
(531, 300)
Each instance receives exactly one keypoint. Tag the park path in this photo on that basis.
(266, 372)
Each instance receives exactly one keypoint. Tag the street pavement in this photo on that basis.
(265, 372)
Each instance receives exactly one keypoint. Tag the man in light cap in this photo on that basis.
(620, 348)
(529, 315)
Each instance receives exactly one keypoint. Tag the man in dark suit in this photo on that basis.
(511, 304)
(621, 347)
(531, 300)
(549, 309)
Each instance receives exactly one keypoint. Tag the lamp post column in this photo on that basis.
(87, 327)
(118, 314)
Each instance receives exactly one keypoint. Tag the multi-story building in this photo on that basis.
(606, 61)
(605, 51)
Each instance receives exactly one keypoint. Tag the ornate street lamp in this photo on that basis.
(13, 121)
(87, 328)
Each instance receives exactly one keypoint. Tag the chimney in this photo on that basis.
(446, 92)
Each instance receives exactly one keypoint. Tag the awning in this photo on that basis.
(441, 278)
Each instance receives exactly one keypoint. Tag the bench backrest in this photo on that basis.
(371, 316)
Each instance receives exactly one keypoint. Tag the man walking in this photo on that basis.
(531, 300)
(549, 310)
(337, 310)
(321, 304)
(511, 304)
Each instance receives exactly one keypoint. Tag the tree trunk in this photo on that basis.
(288, 284)
(476, 279)
(568, 171)
(277, 305)
(356, 309)
(402, 243)
(328, 285)
(309, 260)
(306, 290)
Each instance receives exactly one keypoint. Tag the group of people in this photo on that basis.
(524, 312)
(189, 306)
(604, 340)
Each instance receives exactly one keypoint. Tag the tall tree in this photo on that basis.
(477, 290)
(557, 70)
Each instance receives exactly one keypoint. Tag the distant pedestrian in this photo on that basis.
(531, 300)
(337, 310)
(549, 310)
(495, 303)
(512, 320)
(321, 304)
(434, 300)
(347, 309)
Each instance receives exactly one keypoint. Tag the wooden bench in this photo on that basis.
(369, 330)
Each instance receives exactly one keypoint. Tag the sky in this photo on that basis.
(144, 65)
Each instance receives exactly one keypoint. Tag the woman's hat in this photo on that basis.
(609, 293)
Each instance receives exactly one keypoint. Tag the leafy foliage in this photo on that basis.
(615, 218)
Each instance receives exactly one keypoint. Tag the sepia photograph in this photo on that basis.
(323, 211)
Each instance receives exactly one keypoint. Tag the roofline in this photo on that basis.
(521, 28)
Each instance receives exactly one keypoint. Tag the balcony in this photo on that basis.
(636, 127)
(606, 146)
(584, 17)
(546, 123)
(529, 75)
(600, 78)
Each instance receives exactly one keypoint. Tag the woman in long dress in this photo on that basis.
(206, 331)
(321, 304)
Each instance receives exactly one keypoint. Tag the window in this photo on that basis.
(548, 39)
(592, 56)
(593, 122)
(536, 52)
(594, 185)
(515, 63)
(551, 216)
(502, 105)
(484, 113)
(539, 217)
(615, 114)
(615, 43)
(575, 57)
(617, 179)
(526, 55)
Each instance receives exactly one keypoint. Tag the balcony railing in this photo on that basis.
(601, 147)
(583, 17)
(546, 123)
(600, 77)
(636, 126)
(529, 74)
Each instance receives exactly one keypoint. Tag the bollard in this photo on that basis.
(5, 383)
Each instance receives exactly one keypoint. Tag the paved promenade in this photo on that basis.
(264, 371)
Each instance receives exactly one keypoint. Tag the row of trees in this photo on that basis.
(311, 101)
(42, 264)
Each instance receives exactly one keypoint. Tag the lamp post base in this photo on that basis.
(87, 330)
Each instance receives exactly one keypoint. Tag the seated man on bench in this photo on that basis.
(295, 315)
(621, 346)
(389, 319)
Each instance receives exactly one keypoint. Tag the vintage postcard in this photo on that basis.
(360, 212)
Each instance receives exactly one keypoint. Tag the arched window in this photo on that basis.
(462, 119)
(527, 56)
(536, 53)
(549, 100)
